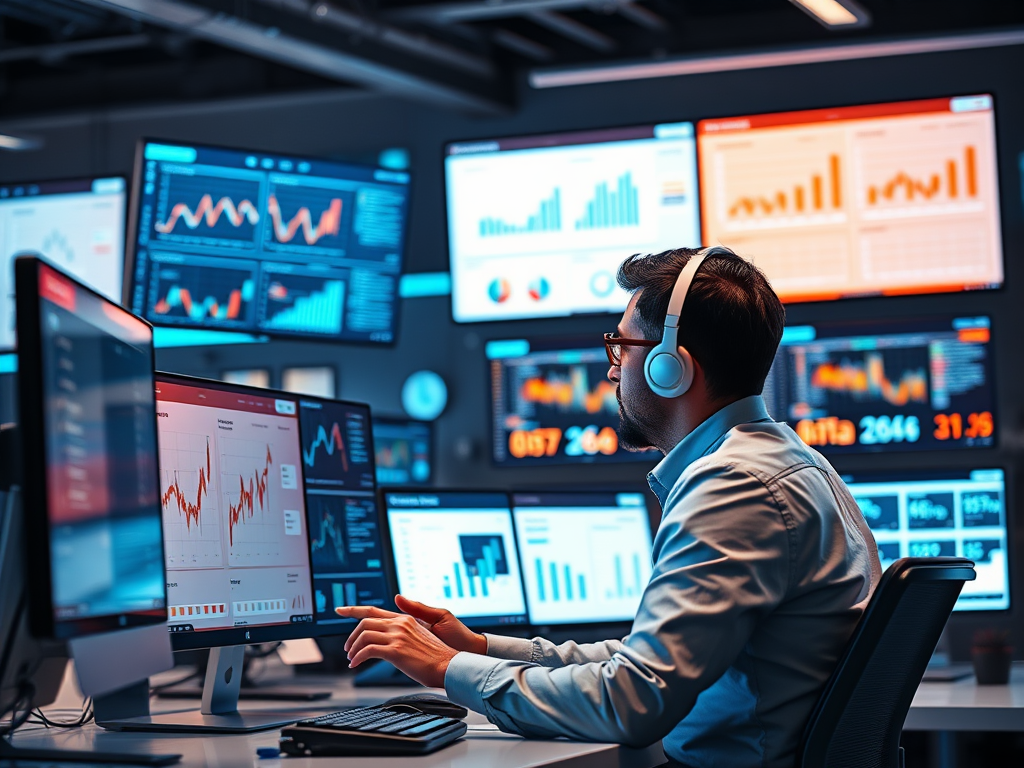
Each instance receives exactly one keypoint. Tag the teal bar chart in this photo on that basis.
(607, 208)
(548, 218)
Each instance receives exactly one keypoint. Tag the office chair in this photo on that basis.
(859, 717)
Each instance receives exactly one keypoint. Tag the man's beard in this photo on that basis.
(634, 436)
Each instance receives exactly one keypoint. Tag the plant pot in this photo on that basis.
(992, 665)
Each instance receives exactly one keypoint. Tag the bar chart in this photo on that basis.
(584, 564)
(311, 304)
(620, 208)
(483, 560)
(548, 218)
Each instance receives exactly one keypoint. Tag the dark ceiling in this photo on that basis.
(71, 55)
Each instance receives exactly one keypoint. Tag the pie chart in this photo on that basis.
(499, 290)
(539, 289)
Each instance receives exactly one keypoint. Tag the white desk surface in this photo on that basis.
(966, 706)
(487, 748)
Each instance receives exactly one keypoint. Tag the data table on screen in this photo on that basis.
(538, 225)
(584, 563)
(942, 514)
(879, 199)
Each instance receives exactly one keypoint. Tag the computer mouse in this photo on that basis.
(428, 704)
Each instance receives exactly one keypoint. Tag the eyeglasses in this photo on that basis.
(613, 346)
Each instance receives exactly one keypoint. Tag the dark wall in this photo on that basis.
(356, 127)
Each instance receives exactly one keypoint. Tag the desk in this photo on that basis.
(480, 748)
(967, 706)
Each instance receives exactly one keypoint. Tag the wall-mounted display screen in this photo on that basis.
(264, 243)
(895, 198)
(586, 556)
(952, 513)
(78, 225)
(404, 450)
(896, 386)
(538, 225)
(458, 550)
(552, 403)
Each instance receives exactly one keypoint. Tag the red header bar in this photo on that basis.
(168, 392)
(56, 288)
(867, 111)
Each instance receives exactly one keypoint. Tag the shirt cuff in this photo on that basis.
(511, 648)
(464, 681)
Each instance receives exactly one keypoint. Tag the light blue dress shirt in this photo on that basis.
(762, 566)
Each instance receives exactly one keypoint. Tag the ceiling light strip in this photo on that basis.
(562, 77)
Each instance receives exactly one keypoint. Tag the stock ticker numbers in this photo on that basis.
(229, 240)
(554, 405)
(908, 385)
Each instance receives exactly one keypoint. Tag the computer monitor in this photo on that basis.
(552, 403)
(81, 545)
(405, 451)
(882, 386)
(273, 244)
(942, 513)
(537, 225)
(586, 556)
(878, 199)
(457, 550)
(76, 224)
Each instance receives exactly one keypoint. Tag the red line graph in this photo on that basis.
(330, 443)
(247, 497)
(210, 213)
(185, 507)
(329, 224)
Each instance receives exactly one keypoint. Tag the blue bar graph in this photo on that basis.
(619, 208)
(540, 580)
(483, 561)
(554, 582)
(320, 311)
(548, 218)
(559, 584)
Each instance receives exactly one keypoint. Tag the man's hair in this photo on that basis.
(731, 321)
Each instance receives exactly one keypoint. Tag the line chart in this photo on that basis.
(247, 497)
(209, 213)
(192, 528)
(284, 232)
(330, 441)
(191, 510)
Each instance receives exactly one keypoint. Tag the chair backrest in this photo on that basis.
(860, 714)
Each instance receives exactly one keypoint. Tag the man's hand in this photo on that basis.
(400, 639)
(444, 625)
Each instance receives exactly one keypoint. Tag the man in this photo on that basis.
(762, 561)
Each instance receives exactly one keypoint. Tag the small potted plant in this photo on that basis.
(992, 655)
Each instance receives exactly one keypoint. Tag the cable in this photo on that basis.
(86, 715)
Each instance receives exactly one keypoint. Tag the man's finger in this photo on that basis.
(378, 625)
(364, 612)
(368, 638)
(371, 652)
(418, 610)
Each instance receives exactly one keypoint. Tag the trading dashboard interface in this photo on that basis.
(457, 550)
(77, 225)
(856, 387)
(249, 241)
(538, 225)
(403, 449)
(101, 469)
(942, 514)
(552, 403)
(892, 198)
(237, 551)
(586, 556)
(341, 500)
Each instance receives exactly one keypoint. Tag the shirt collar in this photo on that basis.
(701, 440)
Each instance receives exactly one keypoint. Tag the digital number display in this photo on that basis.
(953, 513)
(865, 387)
(553, 404)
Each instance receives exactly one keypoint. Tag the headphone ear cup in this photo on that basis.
(669, 372)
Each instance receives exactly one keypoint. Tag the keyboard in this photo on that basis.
(370, 732)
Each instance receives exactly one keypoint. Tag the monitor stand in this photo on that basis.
(218, 712)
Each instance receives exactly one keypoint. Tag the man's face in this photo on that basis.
(640, 410)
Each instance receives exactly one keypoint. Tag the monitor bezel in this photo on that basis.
(612, 624)
(445, 153)
(962, 616)
(552, 344)
(429, 425)
(219, 638)
(473, 622)
(132, 231)
(32, 411)
(126, 194)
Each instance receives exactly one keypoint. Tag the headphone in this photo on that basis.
(669, 367)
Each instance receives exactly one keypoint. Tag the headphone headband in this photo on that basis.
(682, 288)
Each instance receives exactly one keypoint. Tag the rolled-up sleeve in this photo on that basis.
(721, 561)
